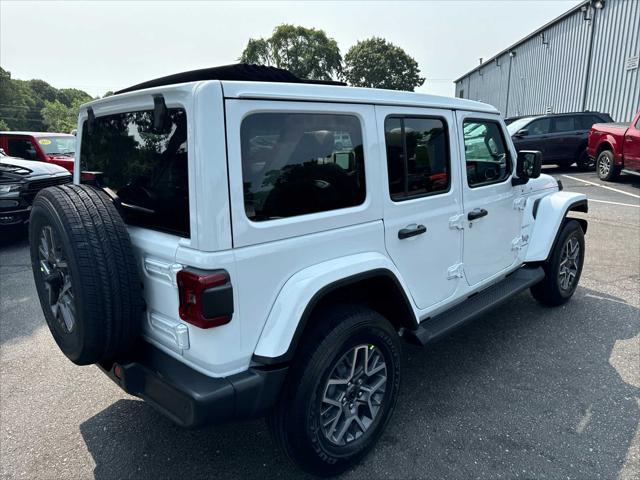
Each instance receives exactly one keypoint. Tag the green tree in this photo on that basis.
(379, 64)
(306, 52)
(22, 103)
(14, 102)
(3, 125)
(57, 117)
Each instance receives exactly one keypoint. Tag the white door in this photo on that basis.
(421, 194)
(492, 219)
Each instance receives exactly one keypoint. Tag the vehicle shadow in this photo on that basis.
(18, 298)
(525, 391)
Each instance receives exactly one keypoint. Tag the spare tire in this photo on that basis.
(85, 273)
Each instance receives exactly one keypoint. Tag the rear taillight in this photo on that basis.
(206, 298)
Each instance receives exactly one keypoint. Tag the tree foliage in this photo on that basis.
(24, 104)
(306, 52)
(57, 117)
(380, 64)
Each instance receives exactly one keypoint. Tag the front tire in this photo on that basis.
(564, 267)
(605, 166)
(341, 391)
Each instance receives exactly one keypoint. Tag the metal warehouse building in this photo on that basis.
(586, 59)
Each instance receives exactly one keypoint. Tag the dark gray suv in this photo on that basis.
(562, 138)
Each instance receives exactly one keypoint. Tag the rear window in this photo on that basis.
(301, 163)
(142, 169)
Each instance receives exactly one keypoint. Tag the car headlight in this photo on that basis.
(9, 187)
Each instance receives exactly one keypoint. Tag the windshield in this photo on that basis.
(58, 145)
(519, 124)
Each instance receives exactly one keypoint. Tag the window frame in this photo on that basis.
(403, 116)
(508, 158)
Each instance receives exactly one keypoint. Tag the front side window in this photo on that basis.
(486, 154)
(417, 156)
(540, 127)
(301, 163)
(143, 169)
(21, 148)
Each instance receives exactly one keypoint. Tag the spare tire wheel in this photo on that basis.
(85, 273)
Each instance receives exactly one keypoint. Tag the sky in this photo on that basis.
(102, 46)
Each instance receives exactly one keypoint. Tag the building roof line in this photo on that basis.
(521, 41)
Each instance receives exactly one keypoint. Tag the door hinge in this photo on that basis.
(457, 221)
(455, 271)
(520, 203)
(519, 242)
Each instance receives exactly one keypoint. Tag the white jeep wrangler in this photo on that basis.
(240, 242)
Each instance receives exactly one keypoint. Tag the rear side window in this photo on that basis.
(21, 148)
(301, 163)
(585, 122)
(417, 156)
(486, 154)
(142, 169)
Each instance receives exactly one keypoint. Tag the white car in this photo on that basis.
(241, 242)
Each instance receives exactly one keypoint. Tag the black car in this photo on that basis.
(562, 138)
(20, 181)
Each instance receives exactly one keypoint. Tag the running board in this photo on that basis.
(630, 172)
(477, 304)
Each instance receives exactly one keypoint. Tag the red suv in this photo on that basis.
(57, 148)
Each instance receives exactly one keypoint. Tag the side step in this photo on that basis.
(477, 304)
(630, 172)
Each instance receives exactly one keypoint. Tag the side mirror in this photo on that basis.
(522, 133)
(528, 165)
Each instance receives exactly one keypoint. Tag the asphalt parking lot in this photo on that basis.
(524, 392)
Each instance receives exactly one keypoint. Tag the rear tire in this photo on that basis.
(605, 166)
(341, 390)
(85, 273)
(564, 267)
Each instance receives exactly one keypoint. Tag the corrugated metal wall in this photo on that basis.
(549, 70)
(617, 37)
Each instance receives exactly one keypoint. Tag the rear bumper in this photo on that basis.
(190, 398)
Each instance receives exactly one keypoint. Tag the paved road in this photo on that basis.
(525, 392)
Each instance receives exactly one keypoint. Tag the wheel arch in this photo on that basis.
(379, 288)
(552, 214)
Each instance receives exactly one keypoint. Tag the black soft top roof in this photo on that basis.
(239, 71)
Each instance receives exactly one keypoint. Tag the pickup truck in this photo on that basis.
(615, 148)
(56, 148)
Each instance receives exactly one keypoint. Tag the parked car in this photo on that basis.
(20, 181)
(247, 243)
(615, 148)
(56, 148)
(562, 138)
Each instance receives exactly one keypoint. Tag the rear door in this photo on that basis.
(565, 138)
(632, 146)
(421, 197)
(492, 222)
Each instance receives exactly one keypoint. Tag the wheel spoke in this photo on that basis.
(349, 405)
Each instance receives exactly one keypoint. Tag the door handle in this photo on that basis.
(411, 231)
(477, 213)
